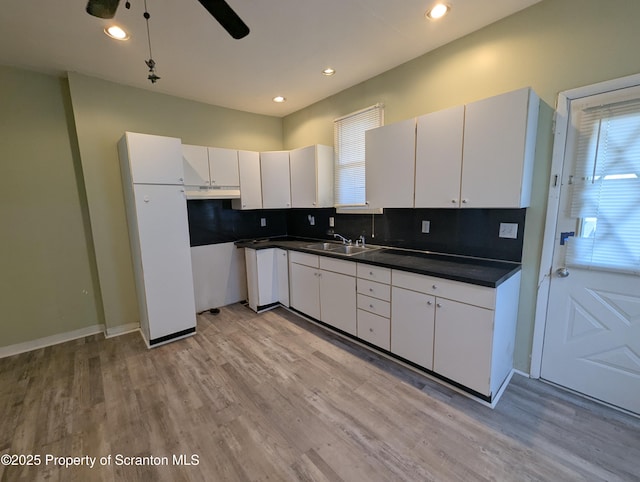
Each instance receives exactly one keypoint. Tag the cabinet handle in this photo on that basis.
(429, 303)
(371, 330)
(370, 273)
(464, 201)
(454, 201)
(434, 287)
(213, 181)
(314, 204)
(371, 290)
(438, 305)
(244, 205)
(180, 179)
(371, 306)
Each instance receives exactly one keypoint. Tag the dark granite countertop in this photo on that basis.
(483, 272)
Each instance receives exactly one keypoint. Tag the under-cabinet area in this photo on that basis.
(460, 332)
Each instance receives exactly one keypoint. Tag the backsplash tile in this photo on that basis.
(470, 232)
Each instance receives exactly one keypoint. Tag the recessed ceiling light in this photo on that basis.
(439, 10)
(279, 99)
(116, 32)
(328, 71)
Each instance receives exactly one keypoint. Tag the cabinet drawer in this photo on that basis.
(374, 329)
(374, 289)
(304, 258)
(373, 305)
(466, 293)
(338, 265)
(374, 273)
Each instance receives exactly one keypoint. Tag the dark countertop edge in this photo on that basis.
(298, 244)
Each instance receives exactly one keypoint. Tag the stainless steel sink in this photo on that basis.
(344, 249)
(322, 246)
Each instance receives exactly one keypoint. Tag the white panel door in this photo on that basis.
(496, 135)
(592, 332)
(166, 258)
(463, 344)
(195, 161)
(439, 158)
(390, 165)
(304, 179)
(412, 326)
(250, 182)
(276, 184)
(338, 300)
(223, 167)
(155, 159)
(305, 289)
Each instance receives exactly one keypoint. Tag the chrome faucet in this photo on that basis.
(344, 240)
(361, 241)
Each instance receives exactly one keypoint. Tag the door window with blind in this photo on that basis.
(606, 184)
(348, 137)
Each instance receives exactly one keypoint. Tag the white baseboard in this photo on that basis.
(520, 372)
(121, 330)
(18, 348)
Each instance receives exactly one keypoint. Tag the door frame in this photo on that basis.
(561, 125)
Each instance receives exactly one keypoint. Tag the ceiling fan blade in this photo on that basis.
(225, 15)
(102, 8)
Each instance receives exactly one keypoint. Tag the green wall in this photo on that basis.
(552, 46)
(103, 111)
(47, 279)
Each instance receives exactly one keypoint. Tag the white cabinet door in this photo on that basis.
(305, 289)
(165, 259)
(267, 276)
(311, 176)
(439, 158)
(499, 148)
(196, 165)
(412, 326)
(276, 185)
(154, 159)
(338, 301)
(282, 266)
(463, 344)
(250, 183)
(390, 160)
(223, 167)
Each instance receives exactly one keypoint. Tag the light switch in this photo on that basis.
(426, 225)
(508, 230)
(263, 222)
(332, 222)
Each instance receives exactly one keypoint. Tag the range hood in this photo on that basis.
(212, 193)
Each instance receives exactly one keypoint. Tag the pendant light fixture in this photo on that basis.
(150, 63)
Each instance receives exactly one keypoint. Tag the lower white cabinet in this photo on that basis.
(267, 278)
(468, 331)
(325, 289)
(374, 329)
(464, 338)
(412, 326)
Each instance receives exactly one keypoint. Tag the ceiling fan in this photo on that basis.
(220, 10)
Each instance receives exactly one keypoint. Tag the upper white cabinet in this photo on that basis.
(439, 158)
(498, 150)
(311, 176)
(196, 165)
(390, 158)
(210, 166)
(276, 184)
(157, 159)
(250, 183)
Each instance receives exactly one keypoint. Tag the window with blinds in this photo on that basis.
(348, 141)
(606, 188)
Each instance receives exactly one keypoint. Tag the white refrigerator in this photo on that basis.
(156, 205)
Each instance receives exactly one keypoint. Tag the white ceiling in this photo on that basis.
(290, 43)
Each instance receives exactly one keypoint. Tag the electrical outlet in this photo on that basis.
(426, 225)
(508, 230)
(332, 222)
(312, 220)
(263, 222)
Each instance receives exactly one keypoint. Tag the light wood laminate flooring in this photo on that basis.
(272, 397)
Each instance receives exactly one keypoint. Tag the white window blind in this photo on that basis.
(606, 188)
(348, 137)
